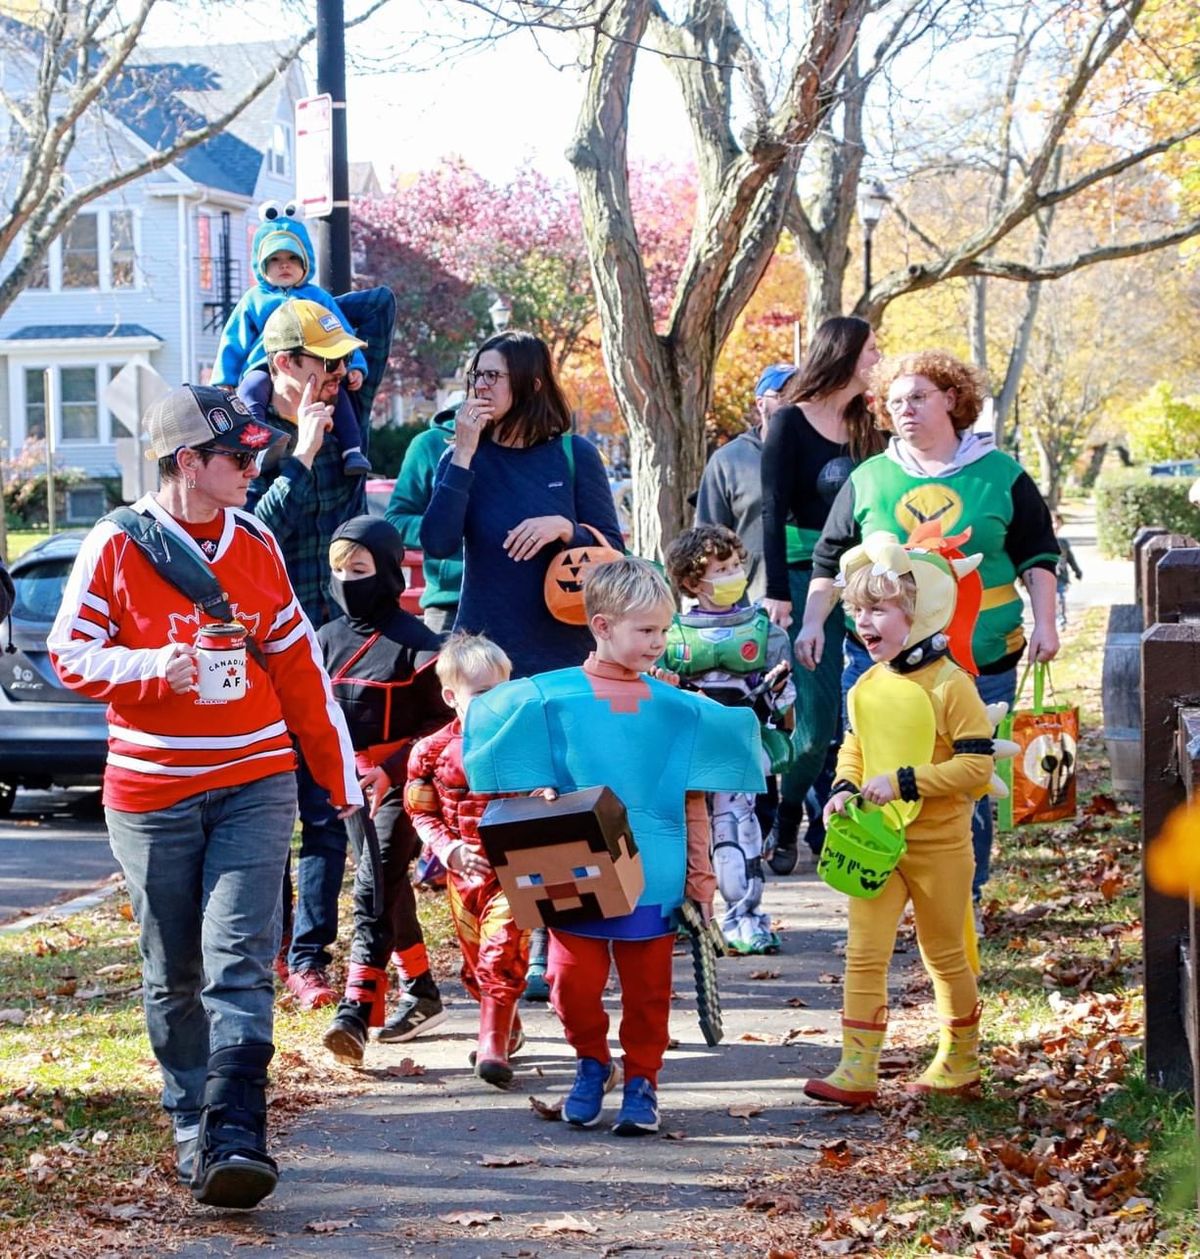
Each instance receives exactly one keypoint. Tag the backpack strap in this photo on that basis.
(180, 567)
(569, 451)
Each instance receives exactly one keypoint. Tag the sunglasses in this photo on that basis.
(330, 364)
(243, 458)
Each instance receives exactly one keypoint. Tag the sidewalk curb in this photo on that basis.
(67, 909)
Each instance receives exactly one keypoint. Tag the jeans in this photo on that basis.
(992, 688)
(204, 878)
(319, 872)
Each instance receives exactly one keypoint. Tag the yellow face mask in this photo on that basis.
(727, 590)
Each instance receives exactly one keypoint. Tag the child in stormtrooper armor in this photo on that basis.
(729, 650)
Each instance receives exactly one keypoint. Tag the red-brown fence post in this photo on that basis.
(1170, 682)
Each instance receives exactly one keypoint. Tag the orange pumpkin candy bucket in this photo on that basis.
(563, 588)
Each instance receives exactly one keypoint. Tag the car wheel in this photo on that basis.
(8, 793)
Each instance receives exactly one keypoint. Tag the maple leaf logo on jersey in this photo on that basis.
(184, 627)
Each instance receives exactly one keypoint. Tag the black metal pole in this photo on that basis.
(333, 232)
(867, 261)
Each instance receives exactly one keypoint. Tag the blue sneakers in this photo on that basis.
(583, 1103)
(638, 1115)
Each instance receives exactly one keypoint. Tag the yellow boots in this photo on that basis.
(953, 1071)
(955, 1066)
(853, 1080)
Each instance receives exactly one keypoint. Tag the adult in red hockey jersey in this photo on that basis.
(200, 798)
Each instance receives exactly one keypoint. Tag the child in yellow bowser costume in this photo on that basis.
(919, 743)
(729, 650)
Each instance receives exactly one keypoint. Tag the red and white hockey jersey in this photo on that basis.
(112, 639)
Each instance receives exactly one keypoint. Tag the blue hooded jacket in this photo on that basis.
(240, 349)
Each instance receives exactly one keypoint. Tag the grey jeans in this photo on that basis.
(204, 876)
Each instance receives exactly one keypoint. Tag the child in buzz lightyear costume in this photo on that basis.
(919, 744)
(730, 651)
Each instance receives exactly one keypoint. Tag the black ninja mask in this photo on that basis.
(371, 600)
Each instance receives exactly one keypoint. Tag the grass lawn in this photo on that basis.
(85, 1151)
(20, 540)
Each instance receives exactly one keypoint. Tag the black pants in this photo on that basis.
(398, 927)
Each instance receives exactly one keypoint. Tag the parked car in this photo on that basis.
(49, 736)
(1176, 467)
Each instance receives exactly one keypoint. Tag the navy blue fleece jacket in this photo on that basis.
(476, 507)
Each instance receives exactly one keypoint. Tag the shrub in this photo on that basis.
(388, 445)
(1128, 499)
(25, 484)
(1162, 427)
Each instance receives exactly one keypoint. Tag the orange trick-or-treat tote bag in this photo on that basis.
(1041, 776)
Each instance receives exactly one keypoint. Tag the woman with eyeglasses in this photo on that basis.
(512, 496)
(938, 474)
(823, 427)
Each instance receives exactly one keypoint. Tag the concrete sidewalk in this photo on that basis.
(379, 1171)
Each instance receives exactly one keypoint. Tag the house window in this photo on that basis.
(120, 248)
(204, 251)
(279, 156)
(35, 402)
(81, 253)
(80, 408)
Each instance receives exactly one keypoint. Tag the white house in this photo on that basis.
(146, 273)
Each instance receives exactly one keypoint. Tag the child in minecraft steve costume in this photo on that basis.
(919, 742)
(730, 651)
(658, 749)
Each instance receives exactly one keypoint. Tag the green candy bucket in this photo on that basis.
(861, 851)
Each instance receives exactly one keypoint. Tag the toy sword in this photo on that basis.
(708, 943)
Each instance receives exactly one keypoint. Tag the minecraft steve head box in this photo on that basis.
(570, 860)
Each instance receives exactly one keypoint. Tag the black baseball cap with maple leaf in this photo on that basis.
(199, 415)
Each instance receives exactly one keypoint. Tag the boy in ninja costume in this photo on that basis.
(920, 743)
(380, 664)
(731, 652)
(658, 749)
(282, 257)
(446, 813)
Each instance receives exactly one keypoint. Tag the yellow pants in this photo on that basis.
(935, 874)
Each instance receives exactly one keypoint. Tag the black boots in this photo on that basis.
(784, 838)
(233, 1168)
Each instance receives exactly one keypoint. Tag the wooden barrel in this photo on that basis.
(1121, 696)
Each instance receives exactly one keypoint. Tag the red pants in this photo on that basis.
(495, 950)
(578, 969)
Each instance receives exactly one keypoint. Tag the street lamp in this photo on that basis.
(872, 198)
(500, 312)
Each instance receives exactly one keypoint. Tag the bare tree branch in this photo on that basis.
(41, 206)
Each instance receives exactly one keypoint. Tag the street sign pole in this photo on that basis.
(51, 394)
(334, 230)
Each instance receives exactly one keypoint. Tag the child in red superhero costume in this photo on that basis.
(446, 815)
(379, 660)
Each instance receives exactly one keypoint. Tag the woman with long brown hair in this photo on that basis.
(512, 496)
(822, 429)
